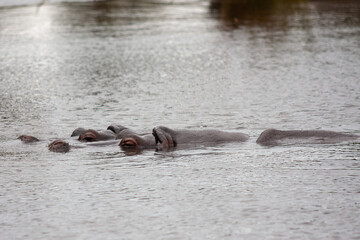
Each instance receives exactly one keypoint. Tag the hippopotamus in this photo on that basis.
(91, 135)
(168, 138)
(277, 137)
(59, 146)
(86, 135)
(171, 138)
(28, 139)
(165, 138)
(129, 139)
(55, 146)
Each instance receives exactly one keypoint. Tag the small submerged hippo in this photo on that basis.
(277, 137)
(55, 146)
(28, 139)
(59, 146)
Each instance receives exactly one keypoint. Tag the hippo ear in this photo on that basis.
(163, 137)
(77, 132)
(116, 128)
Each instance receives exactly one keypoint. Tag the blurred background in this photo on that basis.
(229, 64)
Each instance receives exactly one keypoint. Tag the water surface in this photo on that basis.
(187, 64)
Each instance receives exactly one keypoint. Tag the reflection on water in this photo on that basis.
(279, 14)
(268, 13)
(232, 65)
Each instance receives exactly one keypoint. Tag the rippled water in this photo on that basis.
(191, 64)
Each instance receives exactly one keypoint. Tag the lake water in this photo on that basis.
(236, 66)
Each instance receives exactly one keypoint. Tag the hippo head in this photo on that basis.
(77, 132)
(133, 141)
(89, 136)
(28, 139)
(59, 146)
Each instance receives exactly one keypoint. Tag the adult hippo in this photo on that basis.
(276, 137)
(167, 137)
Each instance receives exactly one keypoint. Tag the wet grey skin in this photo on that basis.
(28, 139)
(77, 132)
(171, 138)
(59, 146)
(91, 135)
(132, 140)
(274, 136)
(116, 128)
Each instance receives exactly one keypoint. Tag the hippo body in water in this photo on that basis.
(278, 137)
(165, 138)
(171, 138)
(168, 138)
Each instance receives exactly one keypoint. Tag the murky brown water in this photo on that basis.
(189, 64)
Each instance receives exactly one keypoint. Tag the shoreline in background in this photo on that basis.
(19, 3)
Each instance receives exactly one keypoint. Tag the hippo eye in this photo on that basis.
(128, 142)
(87, 137)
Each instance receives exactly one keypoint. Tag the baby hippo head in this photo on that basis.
(28, 139)
(59, 146)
